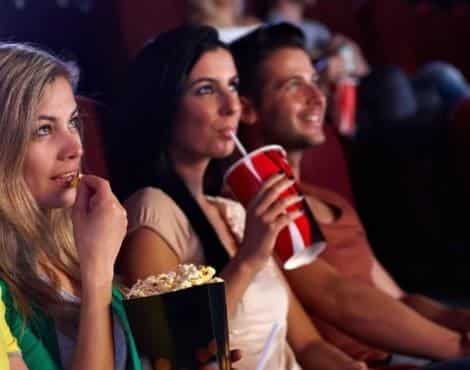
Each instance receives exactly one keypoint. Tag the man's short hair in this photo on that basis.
(251, 50)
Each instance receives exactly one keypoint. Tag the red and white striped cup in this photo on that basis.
(300, 242)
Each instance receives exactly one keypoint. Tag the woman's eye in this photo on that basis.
(75, 122)
(204, 90)
(43, 131)
(234, 85)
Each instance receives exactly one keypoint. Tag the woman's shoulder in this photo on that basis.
(153, 208)
(151, 202)
(149, 197)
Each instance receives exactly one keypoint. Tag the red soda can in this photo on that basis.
(345, 99)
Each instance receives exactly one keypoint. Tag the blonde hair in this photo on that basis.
(33, 243)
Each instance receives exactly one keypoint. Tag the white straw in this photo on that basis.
(246, 157)
(267, 347)
(239, 145)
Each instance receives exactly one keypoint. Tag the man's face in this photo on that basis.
(291, 107)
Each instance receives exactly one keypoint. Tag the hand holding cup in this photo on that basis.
(276, 212)
(266, 216)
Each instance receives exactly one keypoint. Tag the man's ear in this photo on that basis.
(249, 114)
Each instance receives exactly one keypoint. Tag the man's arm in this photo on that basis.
(453, 318)
(369, 314)
(311, 351)
(384, 282)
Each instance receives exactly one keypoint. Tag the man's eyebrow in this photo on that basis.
(287, 79)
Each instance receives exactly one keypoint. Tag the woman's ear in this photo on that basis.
(249, 114)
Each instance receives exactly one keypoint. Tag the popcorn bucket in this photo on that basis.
(300, 242)
(173, 328)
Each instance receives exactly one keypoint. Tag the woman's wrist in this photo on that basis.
(96, 295)
(251, 262)
(96, 286)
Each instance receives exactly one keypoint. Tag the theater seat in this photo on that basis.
(326, 165)
(91, 113)
(389, 38)
(459, 176)
(148, 18)
(340, 16)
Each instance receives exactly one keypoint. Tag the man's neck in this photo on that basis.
(294, 158)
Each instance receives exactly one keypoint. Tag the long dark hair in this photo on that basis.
(140, 136)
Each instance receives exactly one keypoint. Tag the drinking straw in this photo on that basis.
(267, 346)
(246, 158)
(239, 145)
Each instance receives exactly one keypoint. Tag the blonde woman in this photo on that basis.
(58, 243)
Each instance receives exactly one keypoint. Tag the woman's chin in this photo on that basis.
(64, 200)
(223, 153)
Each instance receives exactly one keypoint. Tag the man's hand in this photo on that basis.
(459, 320)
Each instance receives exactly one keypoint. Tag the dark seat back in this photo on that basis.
(92, 114)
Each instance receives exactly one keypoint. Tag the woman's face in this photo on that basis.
(55, 149)
(209, 110)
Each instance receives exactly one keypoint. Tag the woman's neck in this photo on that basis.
(192, 173)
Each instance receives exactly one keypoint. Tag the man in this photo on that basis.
(344, 55)
(346, 291)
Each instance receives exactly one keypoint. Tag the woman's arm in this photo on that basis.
(266, 216)
(99, 223)
(95, 330)
(17, 363)
(144, 253)
(312, 352)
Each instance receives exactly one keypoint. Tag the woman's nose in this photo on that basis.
(230, 103)
(71, 146)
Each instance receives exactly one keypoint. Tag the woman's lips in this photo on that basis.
(65, 178)
(227, 133)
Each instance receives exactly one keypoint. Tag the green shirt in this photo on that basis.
(37, 337)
